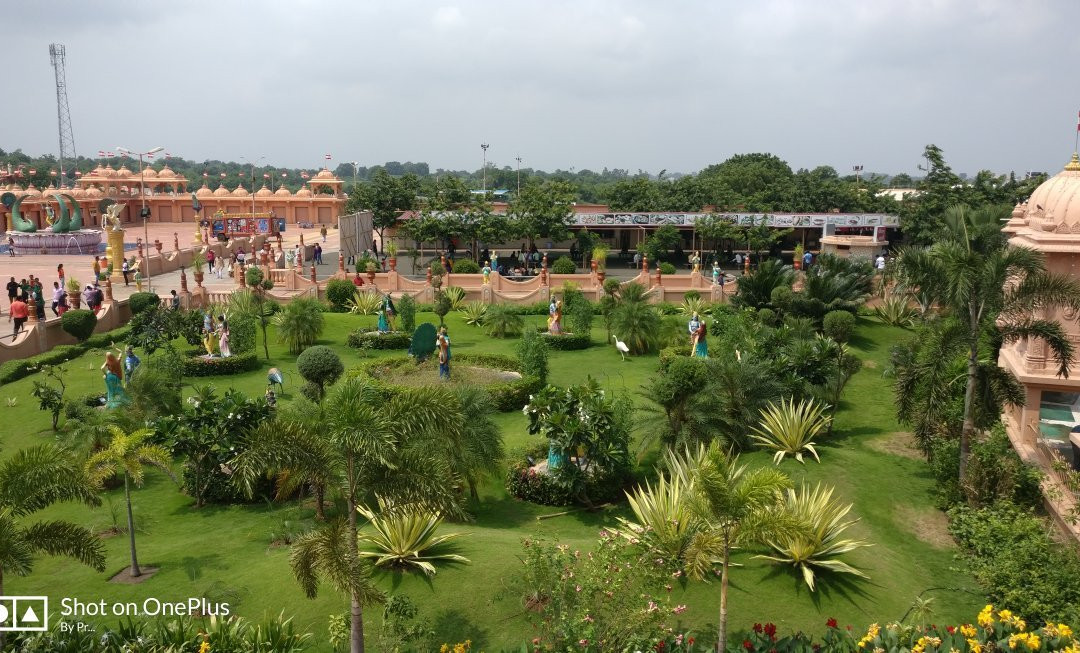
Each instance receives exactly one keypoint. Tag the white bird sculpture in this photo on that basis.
(621, 346)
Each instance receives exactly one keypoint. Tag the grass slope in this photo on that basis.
(225, 553)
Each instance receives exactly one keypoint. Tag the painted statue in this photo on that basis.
(716, 274)
(699, 348)
(114, 382)
(555, 319)
(389, 310)
(487, 273)
(110, 219)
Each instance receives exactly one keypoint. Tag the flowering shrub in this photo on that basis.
(612, 599)
(993, 630)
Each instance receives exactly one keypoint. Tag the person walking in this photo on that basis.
(12, 292)
(20, 312)
(99, 297)
(125, 270)
(322, 231)
(39, 298)
(210, 258)
(175, 300)
(89, 298)
(57, 297)
(11, 246)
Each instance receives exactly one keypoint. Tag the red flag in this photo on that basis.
(266, 176)
(327, 157)
(284, 174)
(101, 153)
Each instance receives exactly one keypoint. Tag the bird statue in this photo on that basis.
(621, 346)
(275, 377)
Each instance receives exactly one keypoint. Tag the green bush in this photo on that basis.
(767, 316)
(320, 365)
(12, 371)
(563, 265)
(667, 268)
(580, 318)
(611, 286)
(532, 351)
(1018, 563)
(372, 339)
(141, 301)
(839, 325)
(406, 310)
(300, 323)
(338, 293)
(691, 294)
(525, 484)
(567, 341)
(501, 321)
(242, 330)
(78, 323)
(995, 473)
(466, 266)
(198, 365)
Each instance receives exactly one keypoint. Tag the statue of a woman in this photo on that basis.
(290, 259)
(114, 382)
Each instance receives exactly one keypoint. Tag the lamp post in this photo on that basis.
(253, 162)
(518, 159)
(355, 169)
(484, 147)
(144, 213)
(858, 174)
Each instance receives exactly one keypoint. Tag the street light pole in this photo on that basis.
(355, 169)
(518, 159)
(484, 147)
(143, 211)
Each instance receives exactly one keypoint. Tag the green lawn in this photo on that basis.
(225, 552)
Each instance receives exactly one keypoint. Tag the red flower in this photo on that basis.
(747, 645)
(951, 629)
(690, 640)
(770, 630)
(831, 623)
(660, 646)
(757, 628)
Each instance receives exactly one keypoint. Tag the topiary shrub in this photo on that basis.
(423, 341)
(838, 325)
(78, 323)
(611, 287)
(373, 339)
(338, 293)
(563, 265)
(667, 268)
(141, 301)
(767, 316)
(197, 364)
(532, 351)
(567, 341)
(580, 318)
(466, 266)
(242, 329)
(406, 310)
(320, 366)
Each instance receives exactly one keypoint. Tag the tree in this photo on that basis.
(126, 454)
(637, 194)
(902, 180)
(941, 188)
(737, 508)
(401, 447)
(31, 480)
(662, 241)
(386, 197)
(255, 302)
(482, 451)
(543, 210)
(995, 291)
(320, 366)
(300, 323)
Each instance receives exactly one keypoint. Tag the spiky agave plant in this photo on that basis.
(456, 295)
(691, 305)
(665, 522)
(895, 310)
(405, 537)
(816, 547)
(365, 303)
(474, 312)
(790, 428)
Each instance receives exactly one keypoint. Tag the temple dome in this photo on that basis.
(282, 192)
(221, 191)
(93, 191)
(1055, 204)
(108, 171)
(325, 174)
(304, 192)
(264, 192)
(166, 172)
(240, 191)
(123, 172)
(78, 192)
(32, 191)
(204, 191)
(149, 172)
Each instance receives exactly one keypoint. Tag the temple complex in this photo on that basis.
(168, 196)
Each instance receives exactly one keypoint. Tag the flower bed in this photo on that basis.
(466, 369)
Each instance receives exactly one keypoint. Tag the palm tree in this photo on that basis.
(990, 287)
(735, 506)
(401, 447)
(127, 454)
(34, 479)
(481, 451)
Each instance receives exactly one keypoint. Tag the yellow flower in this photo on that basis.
(873, 631)
(935, 641)
(1005, 615)
(1033, 642)
(967, 630)
(204, 647)
(975, 646)
(1064, 630)
(444, 649)
(986, 617)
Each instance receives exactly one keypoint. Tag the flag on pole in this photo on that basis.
(284, 174)
(101, 153)
(266, 175)
(328, 157)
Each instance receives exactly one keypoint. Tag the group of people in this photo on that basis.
(20, 293)
(215, 335)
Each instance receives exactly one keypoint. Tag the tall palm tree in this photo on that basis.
(481, 451)
(990, 287)
(736, 507)
(401, 447)
(128, 454)
(34, 479)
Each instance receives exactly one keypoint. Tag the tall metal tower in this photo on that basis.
(63, 112)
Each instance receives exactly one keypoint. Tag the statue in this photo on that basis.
(290, 258)
(698, 346)
(195, 204)
(487, 273)
(50, 215)
(389, 311)
(110, 220)
(555, 318)
(715, 273)
(444, 353)
(114, 378)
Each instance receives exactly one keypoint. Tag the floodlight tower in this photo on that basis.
(63, 112)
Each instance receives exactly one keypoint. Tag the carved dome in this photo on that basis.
(123, 172)
(304, 191)
(107, 171)
(282, 192)
(149, 172)
(204, 191)
(1055, 204)
(78, 192)
(93, 191)
(167, 172)
(263, 192)
(240, 191)
(32, 191)
(221, 191)
(325, 174)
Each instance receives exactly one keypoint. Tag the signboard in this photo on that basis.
(779, 220)
(244, 224)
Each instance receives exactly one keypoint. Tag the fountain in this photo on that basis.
(60, 236)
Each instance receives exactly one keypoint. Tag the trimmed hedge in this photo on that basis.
(79, 323)
(466, 266)
(12, 371)
(505, 396)
(563, 265)
(141, 301)
(338, 293)
(567, 341)
(198, 365)
(371, 339)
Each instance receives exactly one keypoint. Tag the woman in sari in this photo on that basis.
(701, 347)
(223, 337)
(555, 321)
(114, 382)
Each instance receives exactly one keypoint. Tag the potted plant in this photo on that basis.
(198, 260)
(391, 252)
(73, 288)
(370, 268)
(599, 261)
(798, 256)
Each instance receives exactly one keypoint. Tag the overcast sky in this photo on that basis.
(660, 84)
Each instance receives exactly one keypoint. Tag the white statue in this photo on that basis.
(111, 217)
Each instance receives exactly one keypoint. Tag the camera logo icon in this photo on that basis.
(24, 613)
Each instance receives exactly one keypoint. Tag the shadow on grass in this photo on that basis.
(828, 585)
(454, 626)
(502, 512)
(194, 566)
(841, 435)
